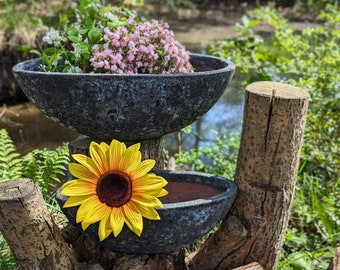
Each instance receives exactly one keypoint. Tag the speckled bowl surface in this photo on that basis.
(126, 107)
(181, 223)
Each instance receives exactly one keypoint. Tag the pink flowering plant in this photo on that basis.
(140, 47)
(113, 40)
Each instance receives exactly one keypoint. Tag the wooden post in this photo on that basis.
(335, 263)
(267, 166)
(25, 222)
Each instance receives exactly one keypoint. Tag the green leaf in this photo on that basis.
(74, 39)
(253, 23)
(72, 31)
(84, 48)
(94, 34)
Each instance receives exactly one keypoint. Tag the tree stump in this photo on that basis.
(267, 166)
(25, 222)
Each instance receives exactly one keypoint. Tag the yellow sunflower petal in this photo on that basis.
(104, 146)
(106, 149)
(98, 156)
(147, 212)
(75, 200)
(146, 200)
(104, 230)
(143, 168)
(115, 152)
(116, 220)
(133, 220)
(97, 212)
(163, 192)
(128, 157)
(135, 160)
(87, 162)
(77, 188)
(151, 190)
(150, 180)
(81, 172)
(83, 209)
(92, 211)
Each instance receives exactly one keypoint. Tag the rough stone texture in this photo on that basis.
(181, 223)
(126, 107)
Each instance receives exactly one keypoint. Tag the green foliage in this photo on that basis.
(42, 166)
(10, 163)
(13, 15)
(22, 21)
(46, 166)
(70, 47)
(309, 59)
(6, 259)
(219, 158)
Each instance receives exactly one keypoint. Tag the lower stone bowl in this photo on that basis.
(195, 204)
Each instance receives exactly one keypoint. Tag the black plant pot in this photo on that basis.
(195, 204)
(126, 107)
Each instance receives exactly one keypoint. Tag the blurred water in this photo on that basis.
(226, 114)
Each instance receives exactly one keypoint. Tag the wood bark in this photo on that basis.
(29, 230)
(267, 166)
(335, 263)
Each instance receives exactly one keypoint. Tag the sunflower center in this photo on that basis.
(114, 189)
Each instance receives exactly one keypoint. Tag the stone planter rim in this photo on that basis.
(126, 107)
(231, 66)
(190, 203)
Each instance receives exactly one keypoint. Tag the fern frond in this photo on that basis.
(46, 167)
(10, 160)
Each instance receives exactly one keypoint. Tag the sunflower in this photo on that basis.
(114, 186)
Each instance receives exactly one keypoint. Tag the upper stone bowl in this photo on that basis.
(126, 107)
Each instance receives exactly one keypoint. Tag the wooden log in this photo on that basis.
(335, 263)
(267, 166)
(26, 224)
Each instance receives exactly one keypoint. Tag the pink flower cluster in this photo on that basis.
(147, 47)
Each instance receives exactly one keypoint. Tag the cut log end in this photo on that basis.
(279, 90)
(11, 190)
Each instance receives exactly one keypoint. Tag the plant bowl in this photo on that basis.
(126, 107)
(195, 204)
